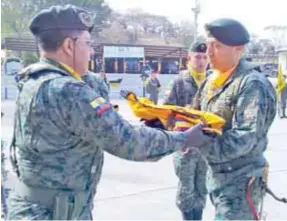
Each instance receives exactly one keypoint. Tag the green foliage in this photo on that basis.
(29, 58)
(16, 14)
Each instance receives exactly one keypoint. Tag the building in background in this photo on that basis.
(133, 58)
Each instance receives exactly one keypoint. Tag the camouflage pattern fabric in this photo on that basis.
(247, 101)
(97, 83)
(231, 207)
(4, 173)
(190, 167)
(62, 127)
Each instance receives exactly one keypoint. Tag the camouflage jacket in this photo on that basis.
(62, 127)
(181, 90)
(97, 84)
(247, 101)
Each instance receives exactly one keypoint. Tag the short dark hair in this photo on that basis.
(51, 40)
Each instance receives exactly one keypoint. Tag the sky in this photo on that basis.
(254, 14)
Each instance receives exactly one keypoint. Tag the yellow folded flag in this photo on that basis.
(169, 114)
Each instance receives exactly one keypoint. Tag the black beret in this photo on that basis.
(198, 46)
(228, 31)
(67, 17)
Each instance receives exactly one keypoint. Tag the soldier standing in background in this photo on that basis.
(103, 76)
(190, 167)
(283, 100)
(153, 87)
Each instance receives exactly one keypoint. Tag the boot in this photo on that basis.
(193, 214)
(283, 113)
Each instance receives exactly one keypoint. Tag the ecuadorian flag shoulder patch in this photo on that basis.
(100, 105)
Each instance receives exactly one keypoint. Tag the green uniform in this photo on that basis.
(190, 167)
(62, 128)
(247, 101)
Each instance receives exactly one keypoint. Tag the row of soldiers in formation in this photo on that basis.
(64, 122)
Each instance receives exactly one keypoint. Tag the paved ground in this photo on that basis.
(133, 191)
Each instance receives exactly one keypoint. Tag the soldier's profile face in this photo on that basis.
(82, 53)
(198, 61)
(221, 56)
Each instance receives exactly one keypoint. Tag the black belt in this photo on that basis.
(236, 164)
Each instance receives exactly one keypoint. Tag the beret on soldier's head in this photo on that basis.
(198, 46)
(228, 31)
(67, 17)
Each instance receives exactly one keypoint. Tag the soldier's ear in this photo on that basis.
(68, 46)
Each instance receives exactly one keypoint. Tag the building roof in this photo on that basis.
(282, 49)
(29, 44)
(157, 51)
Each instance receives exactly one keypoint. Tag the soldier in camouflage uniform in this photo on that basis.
(62, 126)
(153, 87)
(247, 101)
(283, 100)
(103, 75)
(190, 167)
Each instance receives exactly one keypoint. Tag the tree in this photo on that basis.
(14, 18)
(29, 58)
(278, 34)
(185, 32)
(260, 46)
(16, 14)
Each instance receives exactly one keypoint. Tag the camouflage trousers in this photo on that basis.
(4, 178)
(231, 202)
(190, 168)
(19, 208)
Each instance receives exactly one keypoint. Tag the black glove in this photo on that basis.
(197, 137)
(154, 123)
(125, 93)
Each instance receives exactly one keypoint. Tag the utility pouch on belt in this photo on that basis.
(69, 205)
(63, 207)
(65, 204)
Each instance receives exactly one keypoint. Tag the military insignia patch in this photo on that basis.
(100, 105)
(86, 19)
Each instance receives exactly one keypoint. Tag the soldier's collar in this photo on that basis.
(64, 67)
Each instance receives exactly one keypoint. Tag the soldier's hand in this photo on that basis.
(154, 123)
(124, 93)
(197, 137)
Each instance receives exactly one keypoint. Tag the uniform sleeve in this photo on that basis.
(252, 118)
(93, 119)
(97, 84)
(170, 95)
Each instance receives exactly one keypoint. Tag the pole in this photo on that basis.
(196, 11)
